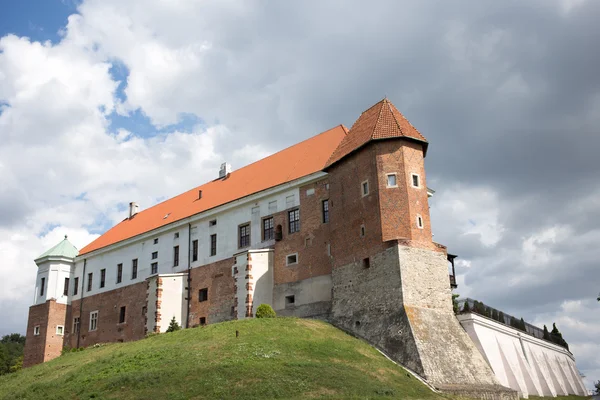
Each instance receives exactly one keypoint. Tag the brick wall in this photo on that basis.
(310, 243)
(109, 304)
(350, 210)
(48, 344)
(219, 306)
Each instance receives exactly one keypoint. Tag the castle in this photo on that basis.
(336, 227)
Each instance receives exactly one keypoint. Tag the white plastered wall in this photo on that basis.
(172, 303)
(522, 362)
(54, 272)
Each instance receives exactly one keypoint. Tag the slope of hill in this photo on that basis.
(272, 358)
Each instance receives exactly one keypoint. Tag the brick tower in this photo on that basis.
(47, 330)
(390, 280)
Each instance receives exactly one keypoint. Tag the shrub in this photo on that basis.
(265, 311)
(173, 326)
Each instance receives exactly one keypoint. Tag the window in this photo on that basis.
(391, 181)
(176, 235)
(60, 330)
(134, 269)
(175, 256)
(42, 286)
(294, 218)
(203, 295)
(119, 273)
(122, 315)
(419, 222)
(195, 250)
(415, 180)
(154, 255)
(244, 236)
(291, 259)
(202, 320)
(362, 231)
(75, 286)
(102, 277)
(213, 244)
(36, 330)
(75, 324)
(364, 188)
(66, 289)
(90, 277)
(156, 241)
(325, 211)
(212, 222)
(153, 268)
(366, 263)
(268, 232)
(93, 320)
(290, 300)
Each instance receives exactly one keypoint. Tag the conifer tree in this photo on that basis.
(173, 326)
(522, 325)
(501, 317)
(466, 307)
(546, 333)
(495, 315)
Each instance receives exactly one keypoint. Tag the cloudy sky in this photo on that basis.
(103, 102)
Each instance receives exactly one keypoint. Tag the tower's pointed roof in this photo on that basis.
(63, 249)
(381, 121)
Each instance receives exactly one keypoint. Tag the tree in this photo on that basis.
(556, 337)
(455, 303)
(546, 333)
(173, 326)
(466, 307)
(501, 317)
(597, 387)
(522, 325)
(11, 353)
(495, 314)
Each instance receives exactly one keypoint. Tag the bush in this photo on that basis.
(265, 311)
(173, 326)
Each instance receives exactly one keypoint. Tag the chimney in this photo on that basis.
(225, 170)
(133, 209)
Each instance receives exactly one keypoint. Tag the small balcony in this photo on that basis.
(453, 284)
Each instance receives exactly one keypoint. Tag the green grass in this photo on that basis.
(283, 358)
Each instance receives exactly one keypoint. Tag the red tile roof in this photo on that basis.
(300, 160)
(382, 121)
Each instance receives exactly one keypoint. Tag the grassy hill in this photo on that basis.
(282, 358)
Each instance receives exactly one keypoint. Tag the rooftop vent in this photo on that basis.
(199, 194)
(133, 209)
(225, 170)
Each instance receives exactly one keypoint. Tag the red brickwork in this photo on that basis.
(350, 210)
(310, 243)
(221, 294)
(109, 304)
(48, 344)
(401, 205)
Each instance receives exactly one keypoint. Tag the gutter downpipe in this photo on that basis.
(81, 302)
(189, 277)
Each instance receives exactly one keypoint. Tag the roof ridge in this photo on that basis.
(361, 114)
(379, 116)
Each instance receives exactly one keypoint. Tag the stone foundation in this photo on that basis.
(401, 303)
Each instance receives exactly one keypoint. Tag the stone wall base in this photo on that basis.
(484, 392)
